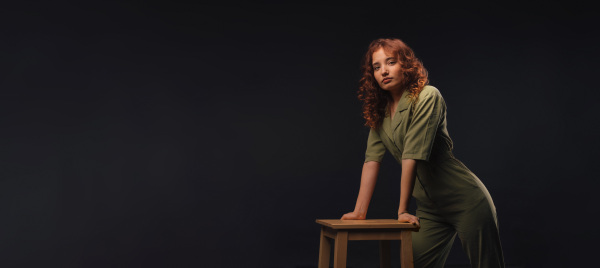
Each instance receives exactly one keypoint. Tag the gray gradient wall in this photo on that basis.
(173, 135)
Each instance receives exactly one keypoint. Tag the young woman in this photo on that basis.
(408, 118)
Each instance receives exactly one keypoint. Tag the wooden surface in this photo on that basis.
(384, 230)
(366, 224)
(340, 249)
(376, 234)
(406, 251)
(385, 260)
(325, 250)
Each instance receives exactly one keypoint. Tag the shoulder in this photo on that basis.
(376, 132)
(431, 96)
(429, 92)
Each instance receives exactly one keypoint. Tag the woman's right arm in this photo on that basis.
(367, 186)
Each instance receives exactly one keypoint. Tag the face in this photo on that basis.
(387, 71)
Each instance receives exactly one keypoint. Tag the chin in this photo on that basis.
(386, 87)
(389, 87)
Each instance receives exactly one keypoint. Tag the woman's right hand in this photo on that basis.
(353, 216)
(406, 217)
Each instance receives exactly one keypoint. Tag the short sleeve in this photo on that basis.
(423, 126)
(375, 148)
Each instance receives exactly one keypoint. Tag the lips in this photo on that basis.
(386, 80)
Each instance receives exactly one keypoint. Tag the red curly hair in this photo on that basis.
(375, 99)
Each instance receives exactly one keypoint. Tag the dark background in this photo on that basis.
(146, 134)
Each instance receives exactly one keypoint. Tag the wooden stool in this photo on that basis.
(383, 230)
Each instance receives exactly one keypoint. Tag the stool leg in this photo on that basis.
(341, 247)
(384, 254)
(324, 250)
(406, 252)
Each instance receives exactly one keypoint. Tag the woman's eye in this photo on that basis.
(392, 62)
(376, 68)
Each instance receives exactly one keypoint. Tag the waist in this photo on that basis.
(441, 155)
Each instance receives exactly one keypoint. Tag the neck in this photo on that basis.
(396, 95)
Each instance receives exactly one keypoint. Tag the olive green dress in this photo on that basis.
(450, 198)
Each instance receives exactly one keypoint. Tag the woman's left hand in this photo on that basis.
(405, 217)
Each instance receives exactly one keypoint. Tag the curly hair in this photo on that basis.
(375, 99)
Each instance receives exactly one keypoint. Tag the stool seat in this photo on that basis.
(384, 230)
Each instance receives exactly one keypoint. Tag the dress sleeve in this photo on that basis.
(422, 129)
(375, 148)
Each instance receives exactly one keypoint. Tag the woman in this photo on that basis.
(408, 118)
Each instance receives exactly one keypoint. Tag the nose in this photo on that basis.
(384, 71)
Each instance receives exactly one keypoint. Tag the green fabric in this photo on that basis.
(446, 191)
(442, 181)
(476, 227)
(412, 135)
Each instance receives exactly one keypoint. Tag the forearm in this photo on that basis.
(368, 180)
(407, 182)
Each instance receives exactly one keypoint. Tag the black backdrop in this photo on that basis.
(187, 135)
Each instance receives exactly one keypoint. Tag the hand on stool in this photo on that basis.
(353, 216)
(406, 217)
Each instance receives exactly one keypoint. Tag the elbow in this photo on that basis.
(374, 164)
(410, 161)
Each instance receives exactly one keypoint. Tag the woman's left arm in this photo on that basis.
(407, 182)
(418, 144)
